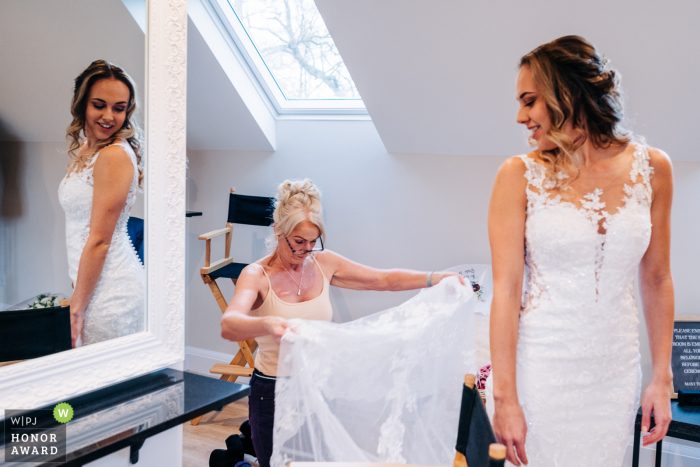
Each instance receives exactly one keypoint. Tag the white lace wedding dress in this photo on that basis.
(578, 370)
(117, 307)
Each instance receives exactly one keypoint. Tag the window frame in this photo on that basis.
(284, 106)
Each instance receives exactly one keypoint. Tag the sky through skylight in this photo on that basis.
(297, 48)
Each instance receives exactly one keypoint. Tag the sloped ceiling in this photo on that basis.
(439, 76)
(218, 116)
(45, 45)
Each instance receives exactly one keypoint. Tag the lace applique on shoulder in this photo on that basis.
(640, 191)
(84, 173)
(538, 184)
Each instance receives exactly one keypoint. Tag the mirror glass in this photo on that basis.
(66, 243)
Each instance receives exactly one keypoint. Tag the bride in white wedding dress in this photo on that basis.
(575, 218)
(97, 194)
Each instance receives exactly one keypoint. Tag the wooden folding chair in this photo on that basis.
(248, 210)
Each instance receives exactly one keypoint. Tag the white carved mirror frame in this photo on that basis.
(54, 378)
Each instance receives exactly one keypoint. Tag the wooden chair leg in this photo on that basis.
(247, 353)
(195, 421)
(218, 296)
(246, 348)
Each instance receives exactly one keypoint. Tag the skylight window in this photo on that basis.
(291, 51)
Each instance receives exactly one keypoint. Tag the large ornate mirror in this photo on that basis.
(48, 45)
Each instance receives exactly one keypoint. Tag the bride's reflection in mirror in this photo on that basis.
(46, 251)
(97, 194)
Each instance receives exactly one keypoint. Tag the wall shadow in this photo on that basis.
(11, 166)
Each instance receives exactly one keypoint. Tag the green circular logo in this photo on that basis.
(63, 412)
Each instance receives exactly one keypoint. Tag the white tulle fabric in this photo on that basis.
(117, 307)
(578, 370)
(384, 388)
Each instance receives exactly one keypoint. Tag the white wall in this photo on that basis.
(32, 225)
(33, 256)
(425, 212)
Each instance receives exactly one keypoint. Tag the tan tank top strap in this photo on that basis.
(270, 292)
(268, 277)
(320, 269)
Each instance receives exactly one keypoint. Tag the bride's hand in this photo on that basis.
(510, 428)
(438, 276)
(276, 327)
(77, 321)
(656, 400)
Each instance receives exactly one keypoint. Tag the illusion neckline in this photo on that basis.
(597, 211)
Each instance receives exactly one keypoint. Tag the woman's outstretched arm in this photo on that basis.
(351, 275)
(112, 177)
(507, 212)
(656, 287)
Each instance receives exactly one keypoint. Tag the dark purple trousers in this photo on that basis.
(261, 415)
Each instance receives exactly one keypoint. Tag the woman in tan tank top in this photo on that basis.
(293, 282)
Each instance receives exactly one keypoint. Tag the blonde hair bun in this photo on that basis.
(291, 188)
(297, 201)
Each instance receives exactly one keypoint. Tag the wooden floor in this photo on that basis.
(211, 433)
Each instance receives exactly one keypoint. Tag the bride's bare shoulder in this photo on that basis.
(661, 175)
(513, 170)
(659, 160)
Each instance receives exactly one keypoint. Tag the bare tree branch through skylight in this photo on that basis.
(295, 44)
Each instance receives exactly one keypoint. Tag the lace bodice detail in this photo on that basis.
(117, 306)
(565, 245)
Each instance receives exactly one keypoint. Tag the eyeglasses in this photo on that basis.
(303, 252)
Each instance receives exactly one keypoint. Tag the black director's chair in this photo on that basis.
(474, 434)
(248, 210)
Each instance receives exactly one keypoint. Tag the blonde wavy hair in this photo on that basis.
(296, 201)
(577, 87)
(130, 130)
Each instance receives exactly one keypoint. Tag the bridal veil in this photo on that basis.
(384, 388)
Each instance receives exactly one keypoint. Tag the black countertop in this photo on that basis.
(126, 414)
(685, 422)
